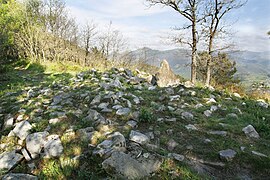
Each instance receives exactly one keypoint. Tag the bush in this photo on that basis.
(146, 115)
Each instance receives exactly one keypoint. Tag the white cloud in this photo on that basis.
(131, 17)
(138, 34)
(119, 8)
(249, 37)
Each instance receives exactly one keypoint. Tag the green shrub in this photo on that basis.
(146, 115)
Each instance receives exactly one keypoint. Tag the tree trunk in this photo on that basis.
(209, 62)
(208, 71)
(193, 66)
(194, 51)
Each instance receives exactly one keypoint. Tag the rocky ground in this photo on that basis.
(115, 124)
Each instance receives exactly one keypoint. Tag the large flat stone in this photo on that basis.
(35, 142)
(227, 154)
(138, 137)
(22, 129)
(251, 132)
(19, 176)
(9, 159)
(121, 165)
(123, 111)
(8, 122)
(53, 147)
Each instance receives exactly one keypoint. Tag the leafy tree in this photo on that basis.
(10, 23)
(223, 69)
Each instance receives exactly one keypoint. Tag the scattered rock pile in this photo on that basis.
(96, 101)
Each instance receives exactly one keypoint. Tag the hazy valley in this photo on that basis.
(252, 67)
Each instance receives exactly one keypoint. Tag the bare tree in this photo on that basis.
(111, 43)
(88, 33)
(189, 10)
(215, 11)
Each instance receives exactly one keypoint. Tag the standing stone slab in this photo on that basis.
(22, 129)
(9, 159)
(138, 137)
(165, 76)
(251, 132)
(35, 142)
(19, 176)
(53, 147)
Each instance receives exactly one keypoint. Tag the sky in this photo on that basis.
(150, 27)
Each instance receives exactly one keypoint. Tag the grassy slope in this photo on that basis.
(26, 76)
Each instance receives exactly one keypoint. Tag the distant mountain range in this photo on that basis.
(251, 66)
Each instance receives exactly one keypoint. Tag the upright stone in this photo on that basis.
(165, 76)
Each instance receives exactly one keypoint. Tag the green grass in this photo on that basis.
(146, 115)
(21, 76)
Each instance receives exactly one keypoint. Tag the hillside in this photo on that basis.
(114, 124)
(251, 66)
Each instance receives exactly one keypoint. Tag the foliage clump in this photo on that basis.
(146, 115)
(223, 69)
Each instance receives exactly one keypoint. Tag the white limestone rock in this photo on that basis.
(187, 115)
(35, 142)
(123, 111)
(191, 127)
(138, 137)
(207, 113)
(19, 176)
(227, 155)
(9, 159)
(251, 132)
(8, 122)
(177, 157)
(26, 155)
(53, 146)
(22, 129)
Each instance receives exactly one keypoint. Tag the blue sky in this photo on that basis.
(143, 26)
